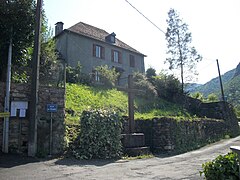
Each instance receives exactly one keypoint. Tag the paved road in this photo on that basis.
(184, 166)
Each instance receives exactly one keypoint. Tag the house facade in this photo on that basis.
(94, 47)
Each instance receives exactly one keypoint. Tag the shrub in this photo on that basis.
(100, 135)
(141, 82)
(75, 75)
(212, 97)
(167, 86)
(223, 167)
(107, 76)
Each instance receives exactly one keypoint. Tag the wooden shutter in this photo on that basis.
(132, 61)
(120, 57)
(102, 52)
(112, 55)
(94, 50)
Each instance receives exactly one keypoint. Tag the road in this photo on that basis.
(184, 166)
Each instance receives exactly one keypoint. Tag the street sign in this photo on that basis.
(51, 107)
(5, 114)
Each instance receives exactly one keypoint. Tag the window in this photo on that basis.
(112, 39)
(132, 61)
(98, 51)
(116, 56)
(96, 76)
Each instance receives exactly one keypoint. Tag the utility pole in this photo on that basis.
(131, 104)
(32, 139)
(220, 79)
(7, 99)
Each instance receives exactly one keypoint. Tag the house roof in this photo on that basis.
(98, 34)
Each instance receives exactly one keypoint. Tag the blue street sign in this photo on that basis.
(51, 107)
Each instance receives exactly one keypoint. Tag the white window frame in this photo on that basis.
(116, 56)
(97, 76)
(98, 51)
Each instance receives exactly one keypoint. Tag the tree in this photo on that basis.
(167, 86)
(181, 53)
(150, 74)
(17, 19)
(141, 82)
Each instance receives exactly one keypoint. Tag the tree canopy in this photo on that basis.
(181, 55)
(17, 19)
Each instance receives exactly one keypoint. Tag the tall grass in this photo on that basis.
(82, 97)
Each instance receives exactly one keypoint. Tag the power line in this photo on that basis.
(145, 17)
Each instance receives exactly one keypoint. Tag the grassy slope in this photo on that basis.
(80, 98)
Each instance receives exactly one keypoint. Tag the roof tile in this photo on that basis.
(98, 34)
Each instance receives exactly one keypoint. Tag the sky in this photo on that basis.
(214, 24)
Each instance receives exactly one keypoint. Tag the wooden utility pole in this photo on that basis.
(131, 104)
(220, 79)
(32, 140)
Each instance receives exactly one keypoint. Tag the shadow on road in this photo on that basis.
(70, 161)
(12, 160)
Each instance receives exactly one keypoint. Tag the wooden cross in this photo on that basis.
(130, 92)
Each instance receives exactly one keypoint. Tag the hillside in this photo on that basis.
(213, 86)
(231, 86)
(81, 97)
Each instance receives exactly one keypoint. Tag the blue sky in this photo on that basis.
(214, 24)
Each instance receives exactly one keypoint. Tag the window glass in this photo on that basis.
(98, 51)
(116, 56)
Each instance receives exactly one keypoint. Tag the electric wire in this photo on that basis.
(145, 17)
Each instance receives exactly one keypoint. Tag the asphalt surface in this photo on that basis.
(184, 166)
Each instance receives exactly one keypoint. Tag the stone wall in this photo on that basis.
(216, 110)
(167, 134)
(18, 129)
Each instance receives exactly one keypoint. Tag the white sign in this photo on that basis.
(21, 105)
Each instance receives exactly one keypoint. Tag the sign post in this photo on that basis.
(52, 108)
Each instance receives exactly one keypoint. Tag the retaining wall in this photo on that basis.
(18, 126)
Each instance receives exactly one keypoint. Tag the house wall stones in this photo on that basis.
(18, 126)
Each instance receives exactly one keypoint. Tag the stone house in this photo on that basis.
(94, 47)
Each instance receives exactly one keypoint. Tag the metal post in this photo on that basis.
(50, 134)
(220, 79)
(32, 140)
(130, 104)
(7, 99)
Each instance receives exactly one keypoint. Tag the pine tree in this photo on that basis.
(182, 55)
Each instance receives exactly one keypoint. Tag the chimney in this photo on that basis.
(58, 28)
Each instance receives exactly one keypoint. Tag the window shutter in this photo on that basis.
(94, 50)
(112, 55)
(102, 52)
(120, 57)
(132, 61)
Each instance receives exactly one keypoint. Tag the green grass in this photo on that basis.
(81, 97)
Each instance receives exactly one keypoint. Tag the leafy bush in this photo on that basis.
(222, 168)
(167, 86)
(150, 74)
(107, 76)
(198, 95)
(141, 82)
(75, 75)
(100, 135)
(212, 98)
